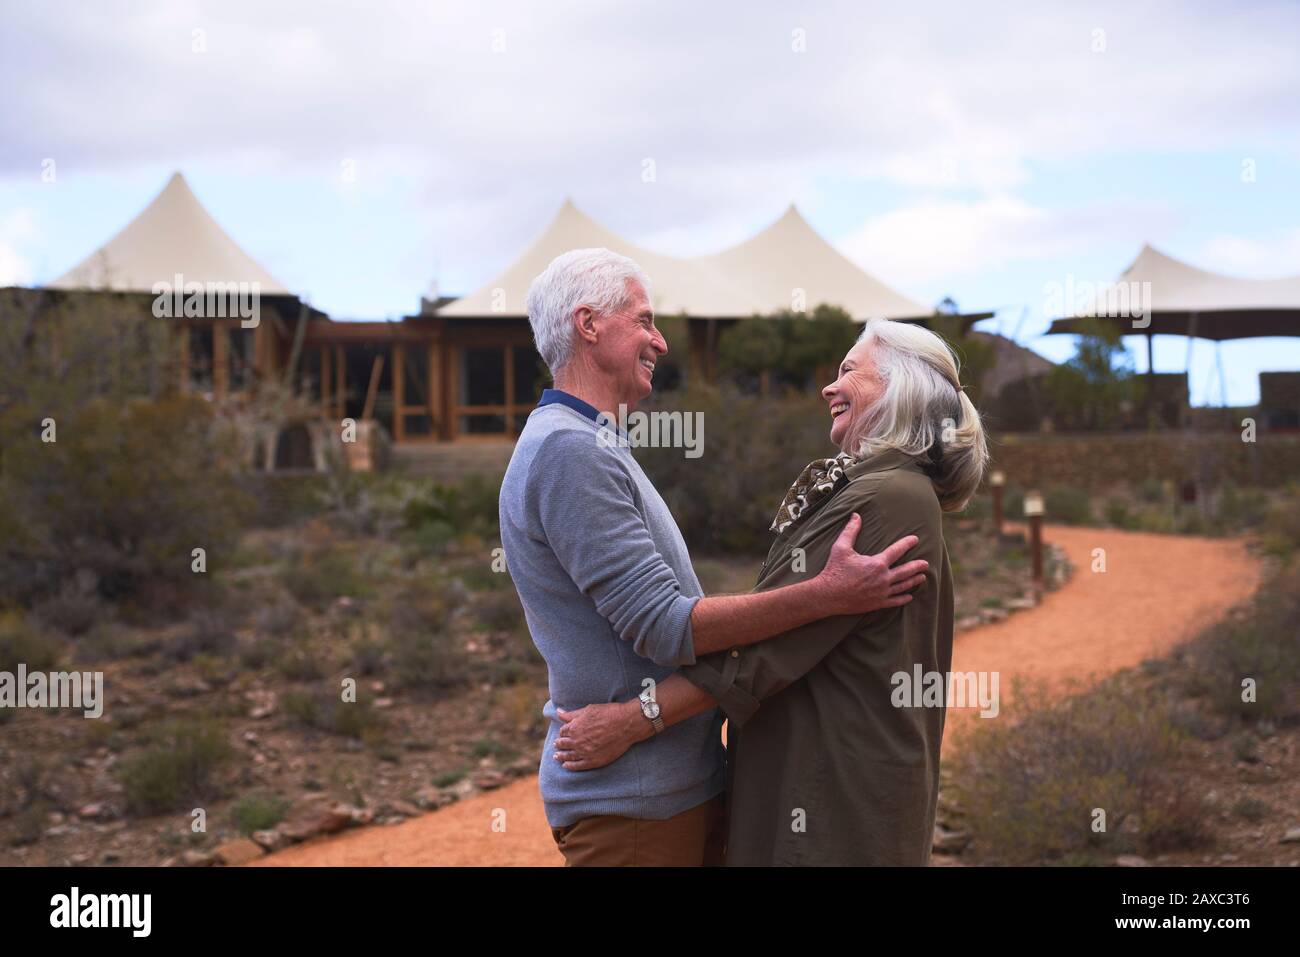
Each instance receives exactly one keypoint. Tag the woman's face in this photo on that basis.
(853, 394)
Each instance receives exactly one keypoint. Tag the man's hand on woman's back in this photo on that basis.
(854, 584)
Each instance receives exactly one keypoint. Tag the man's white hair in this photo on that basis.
(596, 278)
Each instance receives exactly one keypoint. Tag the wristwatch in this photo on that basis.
(650, 708)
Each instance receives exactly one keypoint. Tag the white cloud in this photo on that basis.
(950, 239)
(1272, 256)
(16, 229)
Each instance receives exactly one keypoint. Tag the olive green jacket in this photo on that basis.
(822, 767)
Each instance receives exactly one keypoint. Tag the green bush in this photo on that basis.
(439, 513)
(23, 642)
(753, 448)
(1117, 513)
(317, 579)
(1068, 505)
(258, 812)
(1029, 789)
(122, 497)
(787, 348)
(1241, 508)
(500, 611)
(178, 768)
(325, 710)
(1263, 646)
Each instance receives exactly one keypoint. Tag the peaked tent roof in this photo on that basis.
(173, 234)
(676, 284)
(1185, 300)
(758, 276)
(791, 255)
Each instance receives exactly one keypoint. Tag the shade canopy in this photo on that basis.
(173, 235)
(1186, 301)
(759, 276)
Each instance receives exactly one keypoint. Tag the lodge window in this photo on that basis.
(240, 357)
(497, 387)
(201, 350)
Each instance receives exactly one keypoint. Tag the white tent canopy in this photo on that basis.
(756, 277)
(174, 235)
(1185, 300)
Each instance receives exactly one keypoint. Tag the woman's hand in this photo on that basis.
(599, 734)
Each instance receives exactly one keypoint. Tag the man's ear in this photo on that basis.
(584, 320)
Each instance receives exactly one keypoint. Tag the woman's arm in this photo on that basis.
(599, 734)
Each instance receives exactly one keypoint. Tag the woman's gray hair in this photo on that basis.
(596, 278)
(922, 405)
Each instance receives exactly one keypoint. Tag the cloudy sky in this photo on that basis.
(362, 152)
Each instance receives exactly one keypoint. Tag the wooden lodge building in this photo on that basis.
(461, 369)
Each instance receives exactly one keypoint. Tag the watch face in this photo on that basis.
(653, 710)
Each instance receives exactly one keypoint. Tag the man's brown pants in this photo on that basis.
(694, 838)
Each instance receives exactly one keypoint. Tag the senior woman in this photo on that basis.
(831, 760)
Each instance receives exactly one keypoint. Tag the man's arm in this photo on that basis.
(849, 584)
(738, 679)
(598, 734)
(588, 513)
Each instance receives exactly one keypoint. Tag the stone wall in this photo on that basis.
(1099, 461)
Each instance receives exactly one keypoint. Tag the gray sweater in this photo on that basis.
(607, 588)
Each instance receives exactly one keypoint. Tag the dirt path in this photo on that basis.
(1156, 591)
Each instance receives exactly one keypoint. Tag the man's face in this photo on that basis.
(629, 346)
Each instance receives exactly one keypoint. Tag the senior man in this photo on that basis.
(606, 582)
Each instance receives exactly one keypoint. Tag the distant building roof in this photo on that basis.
(1184, 300)
(173, 235)
(756, 277)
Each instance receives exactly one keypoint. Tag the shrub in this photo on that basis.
(179, 767)
(277, 617)
(754, 447)
(500, 611)
(1068, 505)
(23, 642)
(1262, 645)
(1030, 788)
(787, 349)
(325, 710)
(1117, 513)
(211, 631)
(124, 495)
(317, 579)
(75, 608)
(258, 812)
(1241, 508)
(439, 513)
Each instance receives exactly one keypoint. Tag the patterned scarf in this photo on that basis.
(814, 483)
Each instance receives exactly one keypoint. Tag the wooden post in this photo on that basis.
(510, 390)
(376, 370)
(325, 373)
(299, 333)
(996, 482)
(220, 360)
(399, 391)
(340, 382)
(184, 352)
(1034, 512)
